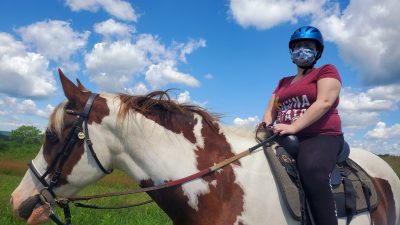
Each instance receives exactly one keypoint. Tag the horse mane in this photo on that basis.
(56, 122)
(160, 104)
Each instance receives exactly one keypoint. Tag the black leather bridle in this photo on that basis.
(78, 132)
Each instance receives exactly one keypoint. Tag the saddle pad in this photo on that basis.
(290, 192)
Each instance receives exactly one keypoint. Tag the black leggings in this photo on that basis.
(315, 161)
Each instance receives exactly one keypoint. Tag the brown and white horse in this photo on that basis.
(155, 140)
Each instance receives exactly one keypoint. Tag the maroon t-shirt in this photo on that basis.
(292, 100)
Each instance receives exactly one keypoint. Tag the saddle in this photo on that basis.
(352, 187)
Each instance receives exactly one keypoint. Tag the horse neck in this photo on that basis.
(152, 151)
(154, 154)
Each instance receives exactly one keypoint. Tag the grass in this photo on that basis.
(393, 161)
(13, 158)
(149, 214)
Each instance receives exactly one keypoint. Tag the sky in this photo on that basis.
(224, 55)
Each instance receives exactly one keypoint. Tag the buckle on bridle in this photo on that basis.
(46, 197)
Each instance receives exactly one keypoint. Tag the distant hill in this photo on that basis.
(4, 135)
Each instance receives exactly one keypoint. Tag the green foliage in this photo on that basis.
(26, 135)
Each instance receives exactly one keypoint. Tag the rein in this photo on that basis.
(48, 197)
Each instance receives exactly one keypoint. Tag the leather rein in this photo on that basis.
(80, 132)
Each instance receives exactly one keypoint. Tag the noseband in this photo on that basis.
(78, 132)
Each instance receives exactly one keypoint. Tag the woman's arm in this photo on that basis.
(270, 112)
(328, 90)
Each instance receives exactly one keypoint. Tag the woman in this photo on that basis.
(305, 104)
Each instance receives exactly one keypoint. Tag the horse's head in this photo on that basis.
(66, 150)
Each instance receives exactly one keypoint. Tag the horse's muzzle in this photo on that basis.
(26, 208)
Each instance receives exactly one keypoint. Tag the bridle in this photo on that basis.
(80, 132)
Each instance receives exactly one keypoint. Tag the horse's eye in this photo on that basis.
(51, 137)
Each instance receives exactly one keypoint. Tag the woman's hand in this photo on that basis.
(283, 129)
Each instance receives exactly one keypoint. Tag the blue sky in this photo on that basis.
(225, 55)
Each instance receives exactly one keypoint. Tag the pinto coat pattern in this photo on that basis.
(155, 139)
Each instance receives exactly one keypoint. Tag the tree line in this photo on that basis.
(25, 135)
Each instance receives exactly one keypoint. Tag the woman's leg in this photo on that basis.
(316, 159)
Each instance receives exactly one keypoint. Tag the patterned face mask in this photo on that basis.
(304, 56)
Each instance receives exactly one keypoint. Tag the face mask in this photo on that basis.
(304, 56)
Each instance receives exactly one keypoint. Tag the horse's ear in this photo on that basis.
(71, 91)
(81, 87)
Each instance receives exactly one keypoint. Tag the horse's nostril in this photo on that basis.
(27, 206)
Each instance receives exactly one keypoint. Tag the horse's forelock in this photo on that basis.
(56, 121)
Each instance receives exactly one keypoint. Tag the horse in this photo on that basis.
(155, 140)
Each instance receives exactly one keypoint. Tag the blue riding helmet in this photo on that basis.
(308, 33)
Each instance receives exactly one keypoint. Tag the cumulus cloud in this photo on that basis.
(189, 47)
(23, 73)
(25, 107)
(264, 14)
(111, 29)
(184, 97)
(120, 9)
(114, 65)
(360, 109)
(138, 89)
(371, 100)
(165, 72)
(366, 33)
(247, 123)
(382, 132)
(59, 43)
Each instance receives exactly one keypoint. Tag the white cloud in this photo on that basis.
(161, 74)
(382, 132)
(111, 29)
(360, 109)
(366, 33)
(189, 47)
(248, 123)
(112, 65)
(150, 44)
(25, 107)
(120, 9)
(183, 97)
(264, 14)
(17, 112)
(55, 40)
(209, 76)
(389, 92)
(23, 73)
(139, 89)
(371, 100)
(358, 119)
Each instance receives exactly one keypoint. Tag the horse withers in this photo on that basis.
(154, 140)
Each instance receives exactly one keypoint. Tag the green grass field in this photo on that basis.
(13, 159)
